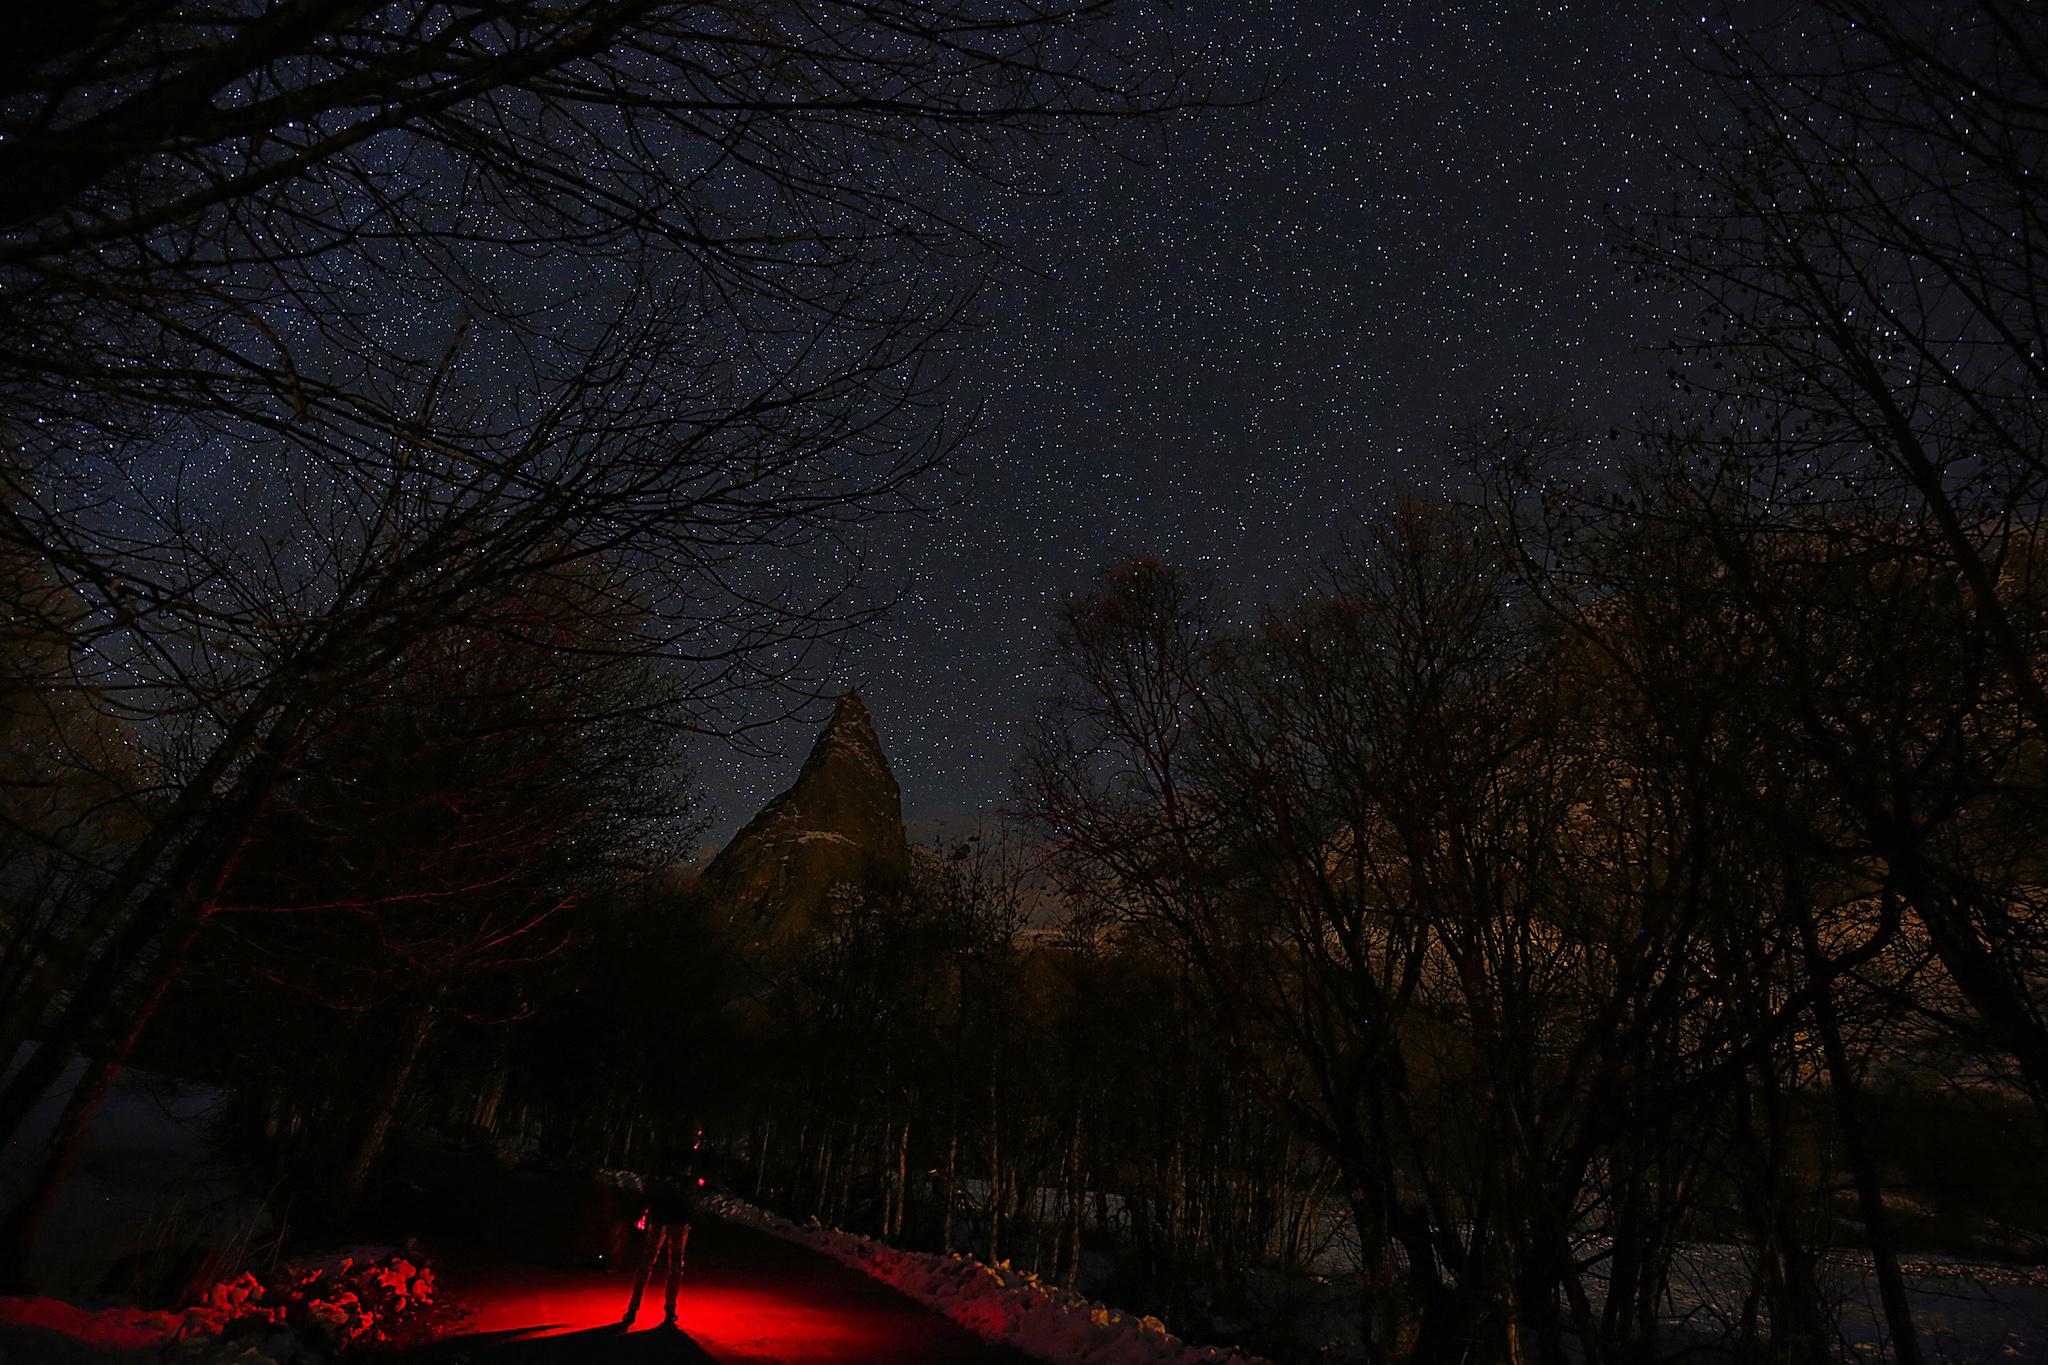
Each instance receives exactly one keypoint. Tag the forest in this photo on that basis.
(1592, 913)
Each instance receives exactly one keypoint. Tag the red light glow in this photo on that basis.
(733, 1321)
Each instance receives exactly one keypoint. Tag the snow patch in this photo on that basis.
(996, 1302)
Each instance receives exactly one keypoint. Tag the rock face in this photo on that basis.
(841, 822)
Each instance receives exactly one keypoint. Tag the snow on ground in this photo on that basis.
(1964, 1311)
(996, 1302)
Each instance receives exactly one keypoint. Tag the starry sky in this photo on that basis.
(1225, 353)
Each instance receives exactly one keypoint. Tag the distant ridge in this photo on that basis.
(840, 822)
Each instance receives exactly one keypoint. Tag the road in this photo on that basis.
(748, 1299)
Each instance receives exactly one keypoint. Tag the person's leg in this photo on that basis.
(652, 1248)
(677, 1246)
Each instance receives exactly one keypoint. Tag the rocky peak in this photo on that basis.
(840, 822)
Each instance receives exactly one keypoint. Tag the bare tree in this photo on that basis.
(323, 326)
(1867, 239)
(1298, 811)
(1489, 879)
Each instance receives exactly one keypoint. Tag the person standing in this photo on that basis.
(665, 1221)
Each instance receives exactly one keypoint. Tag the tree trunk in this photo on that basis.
(824, 1176)
(952, 1188)
(844, 1203)
(356, 1175)
(485, 1115)
(894, 1231)
(995, 1173)
(1076, 1193)
(761, 1161)
(1891, 1283)
(995, 1199)
(1785, 1269)
(1378, 1314)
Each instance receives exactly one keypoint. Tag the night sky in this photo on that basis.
(1225, 356)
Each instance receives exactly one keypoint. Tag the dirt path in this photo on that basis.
(748, 1299)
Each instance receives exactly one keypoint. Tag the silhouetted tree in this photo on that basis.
(323, 327)
(1866, 238)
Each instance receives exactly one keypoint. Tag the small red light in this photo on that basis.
(642, 1224)
(700, 1180)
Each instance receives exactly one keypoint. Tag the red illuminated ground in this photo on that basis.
(747, 1299)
